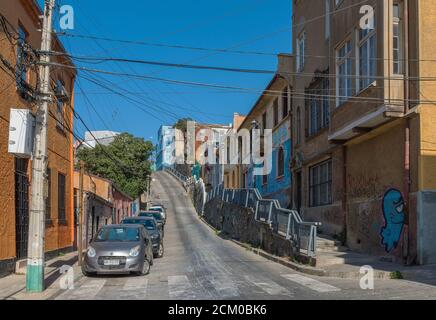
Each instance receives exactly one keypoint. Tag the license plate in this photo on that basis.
(111, 262)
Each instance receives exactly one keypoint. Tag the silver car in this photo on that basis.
(119, 249)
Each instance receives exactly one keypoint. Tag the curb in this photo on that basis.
(292, 265)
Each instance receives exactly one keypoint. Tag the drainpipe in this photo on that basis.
(406, 178)
(345, 191)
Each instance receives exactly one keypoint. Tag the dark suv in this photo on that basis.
(150, 225)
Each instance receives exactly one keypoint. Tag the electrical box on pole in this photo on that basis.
(21, 133)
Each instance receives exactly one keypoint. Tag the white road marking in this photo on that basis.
(136, 283)
(225, 287)
(134, 289)
(179, 288)
(87, 291)
(269, 286)
(311, 283)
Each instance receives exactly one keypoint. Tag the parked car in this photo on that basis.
(119, 249)
(161, 209)
(151, 226)
(157, 216)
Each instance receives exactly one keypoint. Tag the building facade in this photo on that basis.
(272, 112)
(98, 208)
(165, 153)
(363, 129)
(18, 80)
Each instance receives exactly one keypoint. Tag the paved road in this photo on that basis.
(198, 264)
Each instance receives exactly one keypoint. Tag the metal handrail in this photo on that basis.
(301, 233)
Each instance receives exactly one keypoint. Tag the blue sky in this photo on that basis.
(210, 24)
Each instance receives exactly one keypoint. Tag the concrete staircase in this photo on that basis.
(338, 261)
(328, 244)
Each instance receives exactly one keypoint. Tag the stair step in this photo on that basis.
(332, 249)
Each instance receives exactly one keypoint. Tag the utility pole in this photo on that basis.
(36, 254)
(80, 231)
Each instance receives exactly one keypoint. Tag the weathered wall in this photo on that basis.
(375, 170)
(240, 225)
(59, 234)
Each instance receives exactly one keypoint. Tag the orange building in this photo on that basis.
(18, 81)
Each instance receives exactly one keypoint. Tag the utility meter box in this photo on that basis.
(21, 130)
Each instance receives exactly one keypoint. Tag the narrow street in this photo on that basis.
(198, 264)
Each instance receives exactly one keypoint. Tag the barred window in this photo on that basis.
(321, 184)
(61, 198)
(280, 162)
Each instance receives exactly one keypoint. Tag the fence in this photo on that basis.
(287, 223)
(196, 189)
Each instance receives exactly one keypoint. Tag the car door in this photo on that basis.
(148, 245)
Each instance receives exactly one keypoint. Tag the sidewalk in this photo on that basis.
(339, 262)
(13, 287)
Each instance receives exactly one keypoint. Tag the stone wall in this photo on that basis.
(239, 224)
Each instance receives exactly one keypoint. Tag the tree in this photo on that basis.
(126, 162)
(182, 124)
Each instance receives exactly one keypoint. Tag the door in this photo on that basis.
(21, 207)
(298, 195)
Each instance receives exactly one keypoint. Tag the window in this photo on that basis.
(319, 107)
(61, 198)
(276, 112)
(264, 125)
(285, 103)
(48, 199)
(280, 162)
(298, 126)
(21, 69)
(397, 43)
(327, 19)
(344, 73)
(367, 57)
(301, 51)
(60, 101)
(265, 179)
(320, 181)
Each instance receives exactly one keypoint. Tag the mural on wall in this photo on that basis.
(393, 212)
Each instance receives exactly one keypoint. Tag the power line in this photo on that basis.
(174, 46)
(238, 70)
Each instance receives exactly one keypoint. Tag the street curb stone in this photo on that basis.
(297, 267)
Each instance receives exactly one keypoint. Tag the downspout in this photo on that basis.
(406, 250)
(344, 194)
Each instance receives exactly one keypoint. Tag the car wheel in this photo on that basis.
(145, 268)
(86, 273)
(160, 253)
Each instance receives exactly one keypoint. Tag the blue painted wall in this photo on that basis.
(277, 187)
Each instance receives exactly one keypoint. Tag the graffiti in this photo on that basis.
(393, 212)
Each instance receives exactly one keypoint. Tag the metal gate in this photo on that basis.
(21, 207)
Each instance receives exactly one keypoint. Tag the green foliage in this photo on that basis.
(396, 275)
(182, 124)
(125, 162)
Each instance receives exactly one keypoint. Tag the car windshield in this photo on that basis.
(156, 209)
(148, 224)
(156, 215)
(118, 234)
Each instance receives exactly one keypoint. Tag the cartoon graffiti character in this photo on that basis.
(393, 211)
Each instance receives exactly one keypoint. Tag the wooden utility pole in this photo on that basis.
(80, 196)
